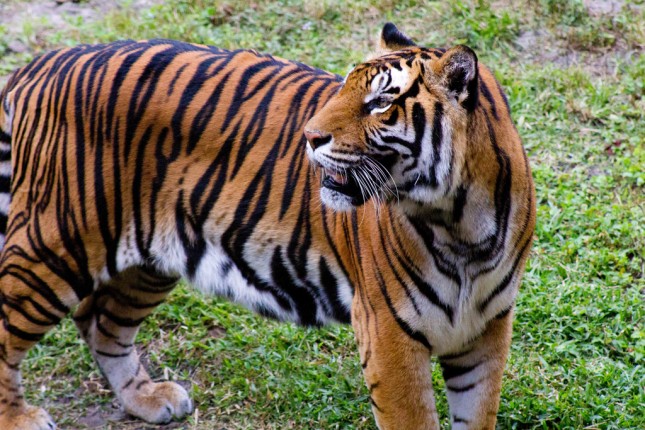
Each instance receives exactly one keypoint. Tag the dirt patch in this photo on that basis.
(27, 24)
(56, 14)
(603, 7)
(15, 16)
(564, 48)
(542, 47)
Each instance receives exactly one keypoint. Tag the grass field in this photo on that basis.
(574, 73)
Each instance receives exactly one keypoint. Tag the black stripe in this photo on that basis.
(299, 164)
(112, 355)
(462, 389)
(411, 92)
(457, 420)
(155, 289)
(127, 384)
(375, 405)
(171, 87)
(499, 88)
(110, 232)
(302, 298)
(386, 246)
(419, 123)
(427, 290)
(329, 217)
(13, 366)
(504, 313)
(124, 345)
(437, 139)
(33, 337)
(4, 137)
(459, 203)
(251, 208)
(445, 266)
(141, 384)
(451, 371)
(330, 284)
(205, 112)
(392, 139)
(488, 96)
(392, 118)
(455, 355)
(416, 335)
(255, 126)
(104, 331)
(124, 300)
(122, 321)
(356, 237)
(506, 281)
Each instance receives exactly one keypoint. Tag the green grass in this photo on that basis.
(578, 353)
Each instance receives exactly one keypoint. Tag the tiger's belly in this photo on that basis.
(263, 274)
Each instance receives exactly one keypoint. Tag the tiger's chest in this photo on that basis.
(437, 288)
(455, 297)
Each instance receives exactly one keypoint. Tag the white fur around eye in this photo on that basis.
(381, 109)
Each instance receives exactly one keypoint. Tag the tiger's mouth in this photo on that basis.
(345, 183)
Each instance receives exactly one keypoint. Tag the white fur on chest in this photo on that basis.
(448, 332)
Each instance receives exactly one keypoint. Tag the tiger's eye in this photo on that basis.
(378, 105)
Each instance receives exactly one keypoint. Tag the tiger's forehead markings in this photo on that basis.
(388, 80)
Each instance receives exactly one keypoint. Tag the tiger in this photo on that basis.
(397, 199)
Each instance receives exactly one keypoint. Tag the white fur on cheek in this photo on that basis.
(380, 110)
(336, 201)
(310, 151)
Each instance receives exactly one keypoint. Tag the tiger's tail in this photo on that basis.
(6, 114)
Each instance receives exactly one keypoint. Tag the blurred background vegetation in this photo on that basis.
(574, 73)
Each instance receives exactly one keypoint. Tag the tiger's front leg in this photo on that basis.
(474, 376)
(396, 368)
(109, 321)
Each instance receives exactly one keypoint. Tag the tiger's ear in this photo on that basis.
(457, 72)
(393, 40)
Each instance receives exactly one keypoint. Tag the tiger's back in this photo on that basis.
(136, 164)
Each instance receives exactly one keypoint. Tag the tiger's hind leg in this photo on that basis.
(29, 308)
(109, 321)
(474, 376)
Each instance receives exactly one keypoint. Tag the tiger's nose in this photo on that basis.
(317, 138)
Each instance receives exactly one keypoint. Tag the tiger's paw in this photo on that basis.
(157, 402)
(31, 418)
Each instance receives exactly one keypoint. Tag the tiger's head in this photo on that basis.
(397, 128)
